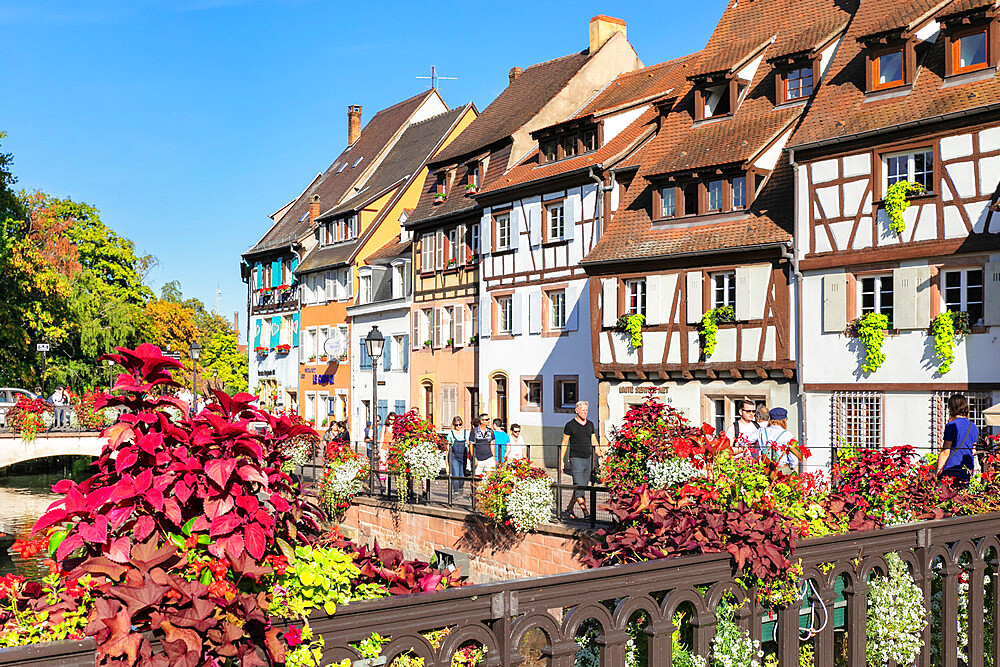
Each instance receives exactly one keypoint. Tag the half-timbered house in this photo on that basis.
(703, 237)
(912, 96)
(541, 219)
(448, 314)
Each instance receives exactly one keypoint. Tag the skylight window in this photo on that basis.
(341, 167)
(357, 161)
(304, 215)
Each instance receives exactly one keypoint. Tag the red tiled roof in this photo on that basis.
(390, 250)
(335, 182)
(515, 106)
(839, 108)
(641, 84)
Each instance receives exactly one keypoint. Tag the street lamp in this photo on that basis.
(374, 343)
(195, 351)
(110, 364)
(215, 376)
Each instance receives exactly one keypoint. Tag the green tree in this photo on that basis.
(171, 291)
(223, 354)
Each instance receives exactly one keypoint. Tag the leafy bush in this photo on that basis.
(896, 203)
(516, 495)
(871, 329)
(408, 431)
(29, 417)
(632, 324)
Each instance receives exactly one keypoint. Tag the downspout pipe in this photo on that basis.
(599, 218)
(793, 258)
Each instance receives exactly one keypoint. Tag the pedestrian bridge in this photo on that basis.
(14, 450)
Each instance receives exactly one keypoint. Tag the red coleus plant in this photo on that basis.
(171, 492)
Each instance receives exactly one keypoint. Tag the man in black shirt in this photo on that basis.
(482, 438)
(580, 436)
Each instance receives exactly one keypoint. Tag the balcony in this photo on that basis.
(272, 300)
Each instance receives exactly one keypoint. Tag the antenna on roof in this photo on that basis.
(435, 78)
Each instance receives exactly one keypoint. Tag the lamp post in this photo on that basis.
(215, 376)
(195, 351)
(374, 343)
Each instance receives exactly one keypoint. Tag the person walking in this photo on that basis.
(517, 449)
(742, 433)
(580, 440)
(763, 415)
(500, 441)
(458, 454)
(957, 459)
(384, 443)
(776, 443)
(482, 438)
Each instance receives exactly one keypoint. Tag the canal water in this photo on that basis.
(25, 494)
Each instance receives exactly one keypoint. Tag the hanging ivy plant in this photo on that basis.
(871, 330)
(896, 203)
(632, 324)
(946, 327)
(710, 326)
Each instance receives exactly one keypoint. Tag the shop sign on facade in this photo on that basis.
(322, 378)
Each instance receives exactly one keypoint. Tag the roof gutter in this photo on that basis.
(910, 124)
(692, 253)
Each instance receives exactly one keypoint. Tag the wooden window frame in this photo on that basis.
(731, 189)
(450, 254)
(546, 238)
(572, 138)
(557, 404)
(527, 406)
(441, 183)
(628, 297)
(547, 328)
(781, 79)
(495, 236)
(473, 175)
(658, 201)
(878, 164)
(722, 195)
(953, 48)
(495, 315)
(543, 155)
(872, 55)
(597, 139)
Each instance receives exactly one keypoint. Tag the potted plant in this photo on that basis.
(450, 342)
(284, 348)
(428, 343)
(632, 324)
(896, 203)
(471, 188)
(451, 263)
(440, 197)
(343, 357)
(312, 358)
(261, 350)
(948, 328)
(474, 340)
(322, 357)
(710, 326)
(871, 330)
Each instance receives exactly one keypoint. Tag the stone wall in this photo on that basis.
(494, 554)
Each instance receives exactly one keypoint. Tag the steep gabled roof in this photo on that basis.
(637, 86)
(840, 108)
(334, 183)
(390, 251)
(407, 157)
(516, 105)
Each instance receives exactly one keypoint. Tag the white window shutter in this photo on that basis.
(517, 308)
(922, 304)
(569, 217)
(751, 291)
(415, 341)
(349, 280)
(485, 316)
(834, 303)
(654, 297)
(439, 250)
(436, 337)
(572, 311)
(458, 324)
(461, 250)
(534, 226)
(694, 301)
(426, 251)
(743, 280)
(991, 294)
(535, 311)
(485, 232)
(609, 307)
(515, 228)
(904, 298)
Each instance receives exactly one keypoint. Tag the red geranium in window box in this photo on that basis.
(284, 349)
(261, 349)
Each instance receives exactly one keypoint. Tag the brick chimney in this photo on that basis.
(514, 73)
(314, 209)
(602, 28)
(354, 121)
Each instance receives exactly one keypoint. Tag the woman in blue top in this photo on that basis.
(958, 449)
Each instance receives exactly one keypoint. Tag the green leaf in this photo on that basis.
(206, 576)
(56, 539)
(188, 526)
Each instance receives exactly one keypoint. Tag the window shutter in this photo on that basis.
(515, 306)
(458, 324)
(259, 270)
(569, 217)
(572, 311)
(363, 356)
(485, 316)
(256, 338)
(400, 407)
(295, 330)
(485, 231)
(349, 281)
(406, 352)
(415, 329)
(834, 303)
(694, 303)
(991, 294)
(922, 305)
(751, 291)
(654, 299)
(515, 228)
(387, 354)
(535, 311)
(275, 331)
(609, 307)
(439, 250)
(534, 227)
(295, 265)
(436, 337)
(275, 273)
(427, 252)
(904, 299)
(462, 251)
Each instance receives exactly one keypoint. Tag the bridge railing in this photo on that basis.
(63, 421)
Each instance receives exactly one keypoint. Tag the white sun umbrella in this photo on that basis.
(992, 415)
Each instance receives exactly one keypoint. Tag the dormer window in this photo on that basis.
(887, 69)
(967, 50)
(549, 151)
(717, 95)
(589, 141)
(739, 186)
(798, 83)
(569, 145)
(668, 202)
(567, 142)
(442, 184)
(698, 196)
(474, 175)
(714, 196)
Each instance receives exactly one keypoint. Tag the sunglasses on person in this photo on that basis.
(516, 431)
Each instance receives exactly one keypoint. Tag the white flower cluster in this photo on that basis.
(424, 460)
(343, 481)
(963, 621)
(298, 453)
(664, 474)
(896, 616)
(530, 503)
(733, 646)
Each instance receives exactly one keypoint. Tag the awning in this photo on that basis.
(992, 415)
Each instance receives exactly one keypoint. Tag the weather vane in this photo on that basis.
(435, 78)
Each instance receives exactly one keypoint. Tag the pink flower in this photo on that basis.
(293, 636)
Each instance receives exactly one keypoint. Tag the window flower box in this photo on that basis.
(283, 349)
(471, 189)
(261, 350)
(283, 287)
(440, 197)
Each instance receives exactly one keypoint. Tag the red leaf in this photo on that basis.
(119, 550)
(143, 527)
(126, 459)
(220, 470)
(255, 540)
(224, 525)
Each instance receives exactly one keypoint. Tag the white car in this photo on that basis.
(9, 397)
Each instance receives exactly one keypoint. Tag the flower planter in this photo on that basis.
(68, 653)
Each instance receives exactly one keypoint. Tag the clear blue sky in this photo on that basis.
(187, 122)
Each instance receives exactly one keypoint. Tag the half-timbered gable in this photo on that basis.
(913, 97)
(541, 219)
(705, 228)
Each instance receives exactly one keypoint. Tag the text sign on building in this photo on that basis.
(628, 389)
(322, 378)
